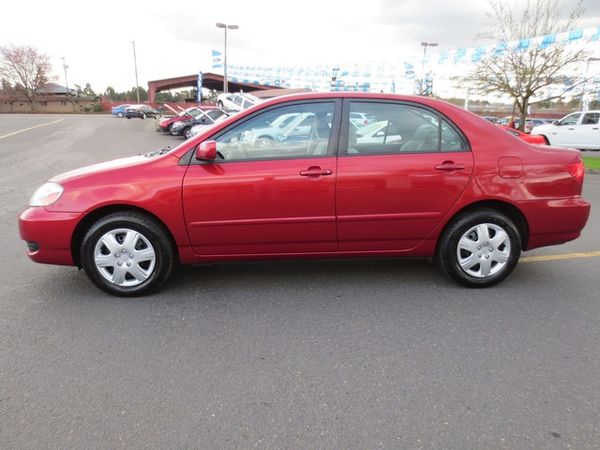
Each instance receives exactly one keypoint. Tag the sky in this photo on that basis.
(176, 38)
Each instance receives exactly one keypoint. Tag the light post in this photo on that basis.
(65, 67)
(587, 67)
(226, 27)
(137, 85)
(425, 45)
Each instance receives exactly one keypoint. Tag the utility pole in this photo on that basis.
(65, 67)
(137, 85)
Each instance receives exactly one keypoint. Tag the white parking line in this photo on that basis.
(31, 128)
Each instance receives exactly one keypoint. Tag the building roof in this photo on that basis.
(54, 89)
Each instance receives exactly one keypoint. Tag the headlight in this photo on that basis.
(46, 194)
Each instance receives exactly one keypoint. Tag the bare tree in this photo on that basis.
(26, 68)
(524, 71)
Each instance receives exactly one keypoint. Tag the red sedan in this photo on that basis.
(448, 184)
(530, 138)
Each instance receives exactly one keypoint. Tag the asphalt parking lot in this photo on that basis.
(311, 354)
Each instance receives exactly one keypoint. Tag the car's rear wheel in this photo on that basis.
(480, 248)
(220, 104)
(127, 254)
(120, 115)
(144, 115)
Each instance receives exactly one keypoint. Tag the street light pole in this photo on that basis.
(587, 67)
(226, 27)
(137, 85)
(425, 45)
(65, 67)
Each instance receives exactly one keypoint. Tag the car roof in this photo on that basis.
(427, 101)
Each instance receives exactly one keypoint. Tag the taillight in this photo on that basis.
(576, 169)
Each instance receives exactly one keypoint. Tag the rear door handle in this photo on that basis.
(315, 172)
(449, 165)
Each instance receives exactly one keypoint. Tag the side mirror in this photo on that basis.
(556, 122)
(207, 151)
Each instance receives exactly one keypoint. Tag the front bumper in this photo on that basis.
(48, 235)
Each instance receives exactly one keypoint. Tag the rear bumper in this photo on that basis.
(553, 222)
(48, 235)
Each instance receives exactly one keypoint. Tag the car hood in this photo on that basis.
(107, 166)
(541, 129)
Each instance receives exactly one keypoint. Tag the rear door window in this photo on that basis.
(400, 128)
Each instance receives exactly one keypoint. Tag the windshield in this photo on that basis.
(214, 113)
(194, 112)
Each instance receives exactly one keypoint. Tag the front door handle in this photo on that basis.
(449, 165)
(315, 171)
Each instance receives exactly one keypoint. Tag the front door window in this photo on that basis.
(296, 131)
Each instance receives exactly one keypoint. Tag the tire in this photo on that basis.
(220, 104)
(170, 130)
(479, 248)
(127, 269)
(187, 133)
(143, 116)
(120, 115)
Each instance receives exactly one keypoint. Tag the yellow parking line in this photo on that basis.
(31, 128)
(593, 254)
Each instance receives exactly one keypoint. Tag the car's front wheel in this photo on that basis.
(120, 115)
(480, 248)
(127, 254)
(187, 133)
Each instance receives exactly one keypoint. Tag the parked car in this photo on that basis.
(186, 115)
(577, 130)
(530, 138)
(204, 118)
(284, 128)
(456, 188)
(492, 119)
(198, 128)
(530, 124)
(382, 132)
(119, 111)
(360, 119)
(141, 112)
(236, 101)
